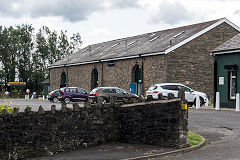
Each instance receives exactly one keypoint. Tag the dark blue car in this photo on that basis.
(73, 94)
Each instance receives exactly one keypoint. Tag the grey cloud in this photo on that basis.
(124, 3)
(237, 12)
(71, 10)
(171, 13)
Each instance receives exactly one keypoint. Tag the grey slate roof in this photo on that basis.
(231, 44)
(153, 42)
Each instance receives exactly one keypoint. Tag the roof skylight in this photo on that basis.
(85, 50)
(153, 34)
(98, 48)
(132, 42)
(179, 34)
(115, 45)
(151, 40)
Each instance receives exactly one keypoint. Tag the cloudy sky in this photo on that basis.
(103, 20)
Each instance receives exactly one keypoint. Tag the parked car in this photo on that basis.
(166, 88)
(106, 92)
(68, 94)
(53, 96)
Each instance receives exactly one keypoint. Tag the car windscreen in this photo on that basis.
(153, 87)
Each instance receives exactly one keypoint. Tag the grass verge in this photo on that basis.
(194, 138)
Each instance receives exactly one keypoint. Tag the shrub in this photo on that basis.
(7, 105)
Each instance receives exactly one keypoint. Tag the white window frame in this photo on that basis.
(231, 80)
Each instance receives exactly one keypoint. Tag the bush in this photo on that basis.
(7, 105)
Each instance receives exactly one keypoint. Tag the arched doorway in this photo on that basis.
(94, 78)
(63, 82)
(137, 78)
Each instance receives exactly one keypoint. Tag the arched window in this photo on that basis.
(63, 82)
(137, 79)
(136, 74)
(94, 78)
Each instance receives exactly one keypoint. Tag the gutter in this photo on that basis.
(225, 51)
(106, 60)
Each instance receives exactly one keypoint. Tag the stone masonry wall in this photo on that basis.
(120, 75)
(157, 123)
(32, 134)
(192, 63)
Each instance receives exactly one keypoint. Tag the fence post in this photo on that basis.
(237, 102)
(217, 101)
(197, 102)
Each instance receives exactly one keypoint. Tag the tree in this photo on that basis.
(25, 56)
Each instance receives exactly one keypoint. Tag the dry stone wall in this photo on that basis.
(33, 134)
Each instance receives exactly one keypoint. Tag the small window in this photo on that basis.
(170, 87)
(67, 90)
(121, 91)
(186, 89)
(232, 84)
(73, 90)
(79, 90)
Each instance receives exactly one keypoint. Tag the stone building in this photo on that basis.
(173, 55)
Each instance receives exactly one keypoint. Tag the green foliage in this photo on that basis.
(194, 139)
(7, 105)
(25, 55)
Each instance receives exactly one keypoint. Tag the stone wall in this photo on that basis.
(159, 123)
(192, 63)
(32, 134)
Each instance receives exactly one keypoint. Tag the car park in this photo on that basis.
(173, 88)
(107, 92)
(73, 94)
(53, 96)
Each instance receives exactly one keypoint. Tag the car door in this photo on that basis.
(73, 94)
(121, 94)
(173, 89)
(188, 93)
(82, 94)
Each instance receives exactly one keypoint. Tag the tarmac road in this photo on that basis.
(222, 132)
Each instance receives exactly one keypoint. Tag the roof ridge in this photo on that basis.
(125, 38)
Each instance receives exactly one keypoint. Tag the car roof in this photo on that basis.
(161, 84)
(106, 88)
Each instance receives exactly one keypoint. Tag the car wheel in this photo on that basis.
(55, 100)
(104, 101)
(201, 101)
(66, 100)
